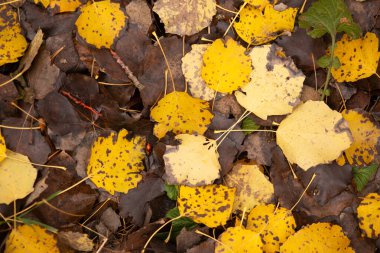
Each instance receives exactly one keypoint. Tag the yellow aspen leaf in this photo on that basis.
(318, 237)
(252, 187)
(31, 239)
(192, 70)
(17, 177)
(238, 239)
(313, 134)
(116, 162)
(60, 6)
(258, 27)
(358, 58)
(276, 83)
(180, 113)
(194, 162)
(210, 204)
(365, 133)
(101, 23)
(273, 225)
(259, 4)
(184, 17)
(226, 67)
(3, 148)
(368, 215)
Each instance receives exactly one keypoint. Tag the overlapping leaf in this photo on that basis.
(368, 215)
(60, 6)
(237, 239)
(3, 148)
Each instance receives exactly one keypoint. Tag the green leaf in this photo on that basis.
(249, 124)
(336, 62)
(329, 16)
(171, 191)
(324, 61)
(363, 175)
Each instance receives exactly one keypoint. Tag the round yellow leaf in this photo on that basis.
(226, 67)
(252, 187)
(31, 239)
(368, 215)
(313, 134)
(210, 204)
(100, 23)
(184, 17)
(275, 86)
(258, 27)
(358, 58)
(237, 239)
(116, 162)
(194, 162)
(180, 113)
(273, 225)
(17, 177)
(318, 237)
(3, 148)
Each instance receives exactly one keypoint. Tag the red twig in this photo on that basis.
(79, 102)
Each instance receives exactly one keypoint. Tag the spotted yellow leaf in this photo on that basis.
(259, 4)
(368, 215)
(3, 148)
(258, 26)
(116, 162)
(318, 237)
(210, 204)
(31, 239)
(180, 113)
(17, 177)
(252, 187)
(238, 239)
(60, 6)
(273, 224)
(184, 17)
(313, 134)
(226, 67)
(366, 134)
(100, 23)
(194, 162)
(275, 86)
(358, 58)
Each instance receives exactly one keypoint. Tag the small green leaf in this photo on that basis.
(177, 225)
(336, 62)
(363, 175)
(324, 61)
(171, 191)
(249, 124)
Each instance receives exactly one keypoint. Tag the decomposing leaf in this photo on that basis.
(76, 240)
(238, 239)
(318, 237)
(210, 204)
(365, 133)
(194, 162)
(358, 58)
(180, 113)
(368, 215)
(191, 67)
(313, 134)
(252, 187)
(17, 177)
(116, 162)
(110, 20)
(258, 27)
(60, 6)
(275, 86)
(362, 175)
(185, 17)
(3, 148)
(226, 67)
(273, 224)
(31, 239)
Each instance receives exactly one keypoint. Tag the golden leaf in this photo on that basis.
(60, 6)
(259, 4)
(3, 148)
(237, 239)
(368, 215)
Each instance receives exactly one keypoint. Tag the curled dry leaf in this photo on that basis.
(368, 215)
(276, 83)
(194, 162)
(238, 239)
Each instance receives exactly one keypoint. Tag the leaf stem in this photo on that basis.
(328, 77)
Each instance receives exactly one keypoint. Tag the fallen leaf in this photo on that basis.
(210, 204)
(207, 246)
(17, 177)
(368, 212)
(3, 148)
(237, 239)
(358, 58)
(258, 27)
(362, 175)
(318, 237)
(273, 224)
(31, 239)
(252, 187)
(60, 6)
(313, 134)
(109, 222)
(259, 4)
(259, 147)
(276, 83)
(110, 20)
(185, 17)
(116, 162)
(139, 13)
(75, 240)
(226, 67)
(180, 113)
